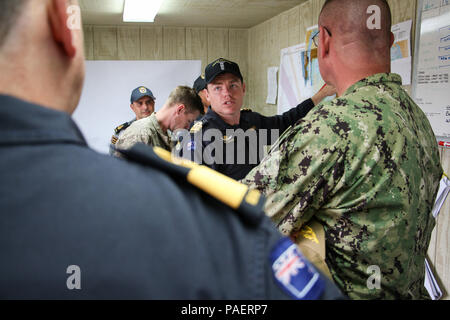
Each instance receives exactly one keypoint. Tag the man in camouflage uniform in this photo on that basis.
(143, 104)
(365, 165)
(181, 108)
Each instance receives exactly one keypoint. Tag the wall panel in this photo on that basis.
(88, 42)
(238, 52)
(129, 43)
(174, 43)
(152, 43)
(306, 19)
(294, 26)
(105, 43)
(218, 44)
(197, 45)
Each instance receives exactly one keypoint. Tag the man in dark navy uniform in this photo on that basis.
(228, 139)
(143, 105)
(200, 88)
(66, 232)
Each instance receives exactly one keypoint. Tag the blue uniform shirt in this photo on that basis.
(245, 141)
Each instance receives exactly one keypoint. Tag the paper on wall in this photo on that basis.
(401, 51)
(431, 284)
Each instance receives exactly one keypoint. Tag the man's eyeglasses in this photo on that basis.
(315, 37)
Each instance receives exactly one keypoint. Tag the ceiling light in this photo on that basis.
(141, 10)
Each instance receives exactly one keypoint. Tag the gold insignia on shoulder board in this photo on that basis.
(197, 127)
(117, 130)
(227, 139)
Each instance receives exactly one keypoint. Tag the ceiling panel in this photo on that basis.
(193, 13)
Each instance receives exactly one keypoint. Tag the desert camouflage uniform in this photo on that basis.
(366, 166)
(147, 131)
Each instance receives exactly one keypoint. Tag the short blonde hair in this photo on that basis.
(188, 97)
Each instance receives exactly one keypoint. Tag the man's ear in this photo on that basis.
(180, 109)
(392, 39)
(243, 86)
(324, 42)
(57, 12)
(207, 93)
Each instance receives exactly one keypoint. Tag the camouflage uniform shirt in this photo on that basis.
(366, 166)
(147, 131)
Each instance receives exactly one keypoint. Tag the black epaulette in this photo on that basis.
(246, 110)
(238, 196)
(122, 127)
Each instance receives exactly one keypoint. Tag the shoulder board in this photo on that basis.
(114, 139)
(246, 110)
(238, 196)
(122, 127)
(197, 126)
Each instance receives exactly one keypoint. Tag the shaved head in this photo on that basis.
(354, 41)
(350, 21)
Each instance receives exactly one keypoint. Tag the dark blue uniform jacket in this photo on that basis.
(213, 150)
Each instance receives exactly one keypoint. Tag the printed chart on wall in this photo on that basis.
(299, 77)
(401, 51)
(431, 88)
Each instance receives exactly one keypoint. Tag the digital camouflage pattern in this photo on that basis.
(147, 131)
(366, 166)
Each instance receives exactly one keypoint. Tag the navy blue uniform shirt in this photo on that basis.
(234, 150)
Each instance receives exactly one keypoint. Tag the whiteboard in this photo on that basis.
(431, 86)
(105, 101)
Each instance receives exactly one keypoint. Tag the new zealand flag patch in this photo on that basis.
(191, 146)
(294, 273)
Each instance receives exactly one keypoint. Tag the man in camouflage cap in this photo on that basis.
(181, 109)
(365, 165)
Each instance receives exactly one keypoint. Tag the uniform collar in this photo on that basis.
(375, 80)
(212, 115)
(164, 136)
(25, 123)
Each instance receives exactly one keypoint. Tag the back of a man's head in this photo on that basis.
(355, 41)
(41, 51)
(9, 13)
(188, 97)
(365, 21)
